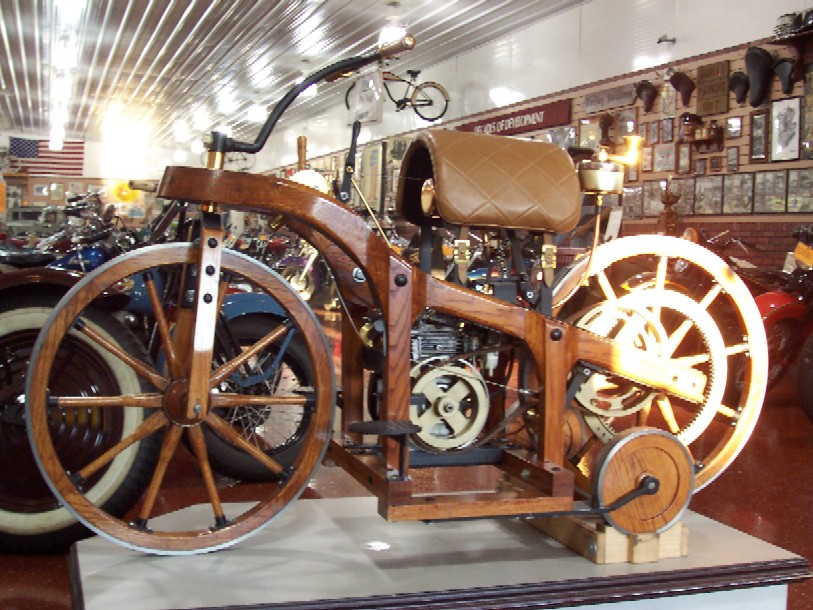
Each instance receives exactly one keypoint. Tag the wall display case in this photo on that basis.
(738, 193)
(770, 190)
(708, 195)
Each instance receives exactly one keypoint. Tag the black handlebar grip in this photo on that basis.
(393, 48)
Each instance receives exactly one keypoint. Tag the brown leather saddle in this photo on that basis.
(684, 85)
(489, 182)
(646, 92)
(738, 84)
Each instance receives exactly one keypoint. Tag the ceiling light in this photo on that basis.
(392, 32)
(256, 113)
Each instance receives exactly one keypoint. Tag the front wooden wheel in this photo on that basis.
(641, 456)
(163, 269)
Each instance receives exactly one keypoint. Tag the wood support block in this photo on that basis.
(601, 544)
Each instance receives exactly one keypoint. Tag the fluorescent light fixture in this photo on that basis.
(257, 113)
(392, 32)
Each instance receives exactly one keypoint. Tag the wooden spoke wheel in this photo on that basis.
(163, 268)
(650, 458)
(617, 270)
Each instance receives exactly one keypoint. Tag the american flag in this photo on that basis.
(34, 156)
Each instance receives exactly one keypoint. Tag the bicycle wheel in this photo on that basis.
(277, 430)
(716, 431)
(31, 519)
(430, 100)
(196, 529)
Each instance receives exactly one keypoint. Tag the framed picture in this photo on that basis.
(806, 145)
(733, 127)
(40, 190)
(759, 136)
(667, 130)
(668, 100)
(654, 132)
(716, 163)
(632, 173)
(664, 157)
(738, 193)
(732, 159)
(684, 158)
(708, 195)
(685, 188)
(56, 191)
(800, 190)
(646, 157)
(786, 127)
(589, 134)
(74, 188)
(652, 198)
(632, 200)
(770, 190)
(643, 132)
(563, 137)
(626, 123)
(699, 167)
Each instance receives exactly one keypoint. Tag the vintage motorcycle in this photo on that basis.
(441, 352)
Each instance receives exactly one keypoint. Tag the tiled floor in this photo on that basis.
(767, 492)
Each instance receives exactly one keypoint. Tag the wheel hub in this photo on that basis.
(174, 405)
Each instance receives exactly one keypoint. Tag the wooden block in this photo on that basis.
(602, 544)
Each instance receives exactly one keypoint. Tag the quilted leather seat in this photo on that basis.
(490, 181)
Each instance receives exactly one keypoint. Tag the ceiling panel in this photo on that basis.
(156, 61)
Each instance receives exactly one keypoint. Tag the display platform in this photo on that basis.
(338, 553)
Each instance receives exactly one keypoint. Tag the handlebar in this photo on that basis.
(223, 144)
(148, 186)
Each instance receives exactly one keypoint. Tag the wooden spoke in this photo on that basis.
(606, 286)
(173, 364)
(168, 448)
(142, 401)
(242, 400)
(141, 368)
(199, 447)
(226, 370)
(150, 425)
(221, 427)
(668, 414)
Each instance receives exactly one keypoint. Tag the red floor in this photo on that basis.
(767, 492)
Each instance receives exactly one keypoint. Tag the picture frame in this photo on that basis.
(760, 128)
(800, 190)
(652, 205)
(733, 127)
(632, 173)
(667, 130)
(738, 193)
(56, 192)
(770, 192)
(716, 163)
(786, 129)
(589, 134)
(699, 167)
(685, 188)
(39, 190)
(668, 100)
(684, 158)
(643, 131)
(664, 157)
(654, 132)
(708, 195)
(732, 159)
(626, 123)
(632, 202)
(646, 158)
(563, 137)
(806, 144)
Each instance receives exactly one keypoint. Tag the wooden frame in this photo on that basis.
(708, 195)
(759, 141)
(684, 158)
(738, 194)
(664, 157)
(800, 190)
(667, 130)
(654, 132)
(770, 192)
(786, 127)
(732, 159)
(733, 127)
(626, 123)
(589, 133)
(699, 167)
(646, 157)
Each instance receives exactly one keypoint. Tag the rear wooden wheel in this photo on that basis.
(644, 457)
(188, 531)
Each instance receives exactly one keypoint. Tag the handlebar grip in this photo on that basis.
(393, 48)
(143, 185)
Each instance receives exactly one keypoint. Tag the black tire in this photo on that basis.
(284, 441)
(804, 378)
(31, 519)
(430, 100)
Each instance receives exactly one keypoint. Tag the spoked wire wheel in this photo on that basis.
(430, 100)
(214, 526)
(722, 320)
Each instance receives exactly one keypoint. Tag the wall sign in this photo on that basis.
(520, 121)
(609, 98)
(712, 88)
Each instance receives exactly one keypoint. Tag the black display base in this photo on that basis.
(338, 554)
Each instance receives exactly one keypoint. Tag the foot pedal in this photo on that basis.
(384, 427)
(398, 430)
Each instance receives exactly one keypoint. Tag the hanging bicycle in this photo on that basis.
(429, 100)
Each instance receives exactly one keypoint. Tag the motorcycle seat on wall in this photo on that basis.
(684, 85)
(759, 66)
(646, 92)
(783, 68)
(738, 85)
(490, 181)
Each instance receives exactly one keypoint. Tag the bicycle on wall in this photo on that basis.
(429, 99)
(650, 364)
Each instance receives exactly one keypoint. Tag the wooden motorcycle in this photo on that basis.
(646, 370)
